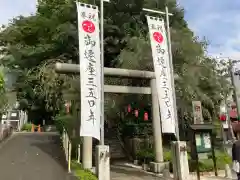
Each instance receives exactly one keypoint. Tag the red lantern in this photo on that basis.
(136, 112)
(145, 116)
(223, 117)
(129, 108)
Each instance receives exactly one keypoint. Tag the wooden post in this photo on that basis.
(32, 128)
(39, 128)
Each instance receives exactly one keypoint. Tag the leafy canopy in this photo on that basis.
(32, 44)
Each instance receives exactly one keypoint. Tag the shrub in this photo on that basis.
(63, 121)
(135, 130)
(27, 127)
(147, 155)
(81, 173)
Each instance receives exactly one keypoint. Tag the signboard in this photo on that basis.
(224, 115)
(197, 112)
(203, 142)
(14, 115)
(90, 69)
(225, 124)
(160, 54)
(206, 140)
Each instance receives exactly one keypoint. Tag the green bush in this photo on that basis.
(64, 121)
(82, 173)
(134, 130)
(145, 155)
(205, 165)
(27, 127)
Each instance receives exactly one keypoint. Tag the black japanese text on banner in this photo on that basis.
(90, 69)
(160, 56)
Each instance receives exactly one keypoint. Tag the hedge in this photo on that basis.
(205, 165)
(27, 127)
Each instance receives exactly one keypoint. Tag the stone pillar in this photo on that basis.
(87, 153)
(180, 160)
(103, 162)
(158, 165)
(156, 124)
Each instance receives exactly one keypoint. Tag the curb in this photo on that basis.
(137, 168)
(191, 176)
(39, 133)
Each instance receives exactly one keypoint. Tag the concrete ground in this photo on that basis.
(38, 156)
(128, 171)
(33, 156)
(119, 172)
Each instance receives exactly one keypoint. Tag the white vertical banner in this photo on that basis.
(162, 69)
(90, 69)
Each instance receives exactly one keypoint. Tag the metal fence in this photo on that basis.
(12, 121)
(67, 146)
(15, 119)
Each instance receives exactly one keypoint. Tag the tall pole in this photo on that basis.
(172, 72)
(102, 70)
(235, 87)
(229, 120)
(235, 90)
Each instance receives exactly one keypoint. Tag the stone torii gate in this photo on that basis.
(158, 165)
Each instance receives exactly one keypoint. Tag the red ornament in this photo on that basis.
(158, 37)
(223, 117)
(136, 112)
(129, 108)
(145, 116)
(88, 26)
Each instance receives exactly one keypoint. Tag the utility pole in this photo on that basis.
(228, 118)
(235, 76)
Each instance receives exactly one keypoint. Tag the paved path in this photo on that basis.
(36, 156)
(119, 172)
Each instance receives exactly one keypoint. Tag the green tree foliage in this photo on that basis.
(3, 92)
(33, 44)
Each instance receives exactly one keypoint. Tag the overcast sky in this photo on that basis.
(217, 20)
(13, 8)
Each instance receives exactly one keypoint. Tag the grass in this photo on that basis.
(81, 173)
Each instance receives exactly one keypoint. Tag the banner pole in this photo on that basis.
(172, 72)
(102, 70)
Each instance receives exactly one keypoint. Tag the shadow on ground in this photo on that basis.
(52, 146)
